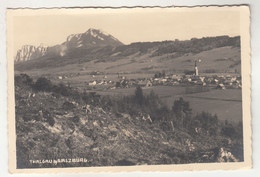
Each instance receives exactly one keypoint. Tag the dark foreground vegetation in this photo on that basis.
(57, 123)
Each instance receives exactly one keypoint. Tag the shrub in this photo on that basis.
(43, 84)
(51, 121)
(23, 79)
(61, 89)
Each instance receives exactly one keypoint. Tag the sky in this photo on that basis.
(130, 25)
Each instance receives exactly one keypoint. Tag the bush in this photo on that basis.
(23, 79)
(61, 89)
(43, 84)
(51, 121)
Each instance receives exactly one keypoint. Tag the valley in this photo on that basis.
(136, 66)
(168, 102)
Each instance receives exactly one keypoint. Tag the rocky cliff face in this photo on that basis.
(29, 52)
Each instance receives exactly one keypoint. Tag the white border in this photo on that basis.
(255, 11)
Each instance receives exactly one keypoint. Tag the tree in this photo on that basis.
(182, 111)
(207, 122)
(139, 97)
(180, 106)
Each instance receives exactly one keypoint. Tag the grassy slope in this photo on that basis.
(218, 59)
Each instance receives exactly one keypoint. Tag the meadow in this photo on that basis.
(227, 104)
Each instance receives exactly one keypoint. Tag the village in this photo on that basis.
(102, 81)
(220, 81)
(217, 81)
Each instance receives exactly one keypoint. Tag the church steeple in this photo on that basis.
(196, 70)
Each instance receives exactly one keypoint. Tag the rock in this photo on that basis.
(225, 156)
(96, 149)
(95, 124)
(87, 109)
(29, 52)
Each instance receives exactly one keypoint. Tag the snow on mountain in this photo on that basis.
(74, 36)
(91, 38)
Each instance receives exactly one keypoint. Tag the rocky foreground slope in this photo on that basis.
(53, 129)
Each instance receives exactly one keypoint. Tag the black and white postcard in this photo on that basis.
(129, 89)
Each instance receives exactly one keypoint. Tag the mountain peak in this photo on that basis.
(94, 31)
(92, 37)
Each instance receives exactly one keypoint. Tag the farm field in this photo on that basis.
(227, 104)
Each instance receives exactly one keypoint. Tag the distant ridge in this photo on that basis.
(95, 45)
